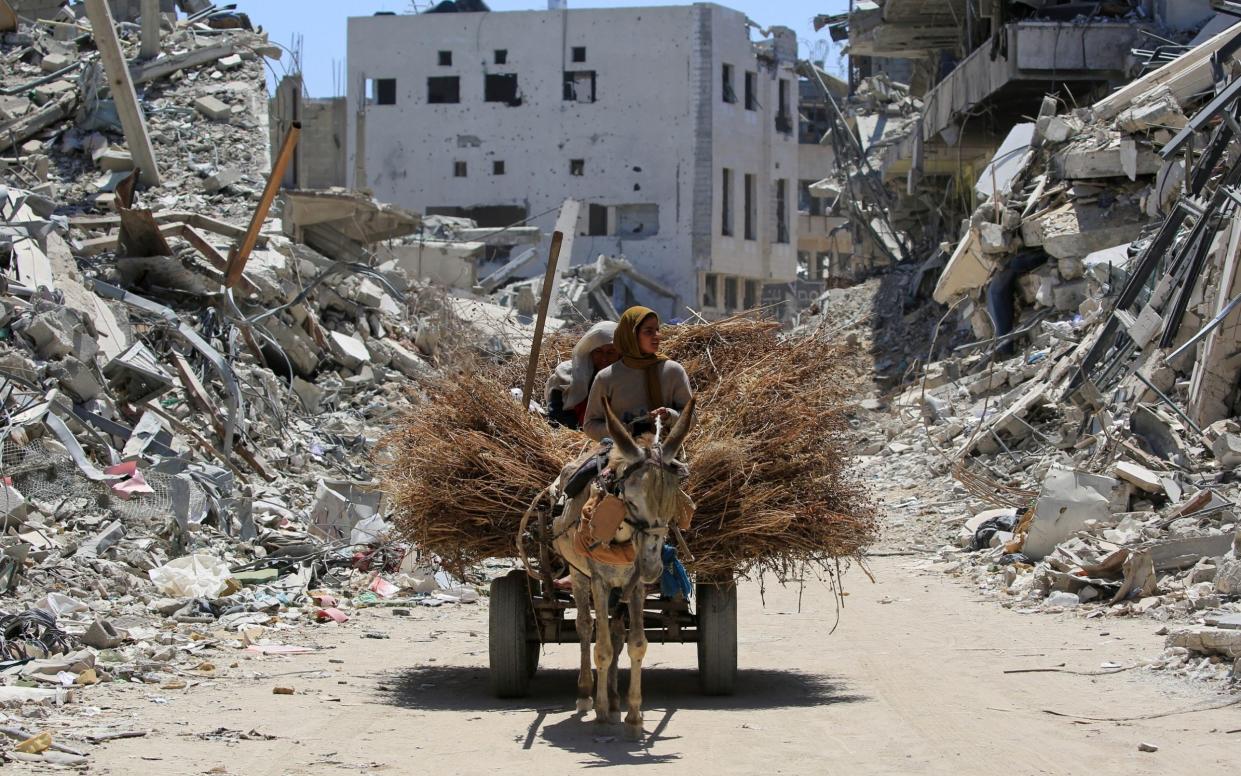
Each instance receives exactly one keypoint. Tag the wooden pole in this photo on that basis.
(240, 255)
(127, 106)
(549, 282)
(150, 29)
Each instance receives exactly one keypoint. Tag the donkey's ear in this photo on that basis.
(676, 438)
(620, 435)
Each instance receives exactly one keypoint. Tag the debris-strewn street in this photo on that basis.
(912, 681)
(280, 480)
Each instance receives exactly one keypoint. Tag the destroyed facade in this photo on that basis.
(678, 134)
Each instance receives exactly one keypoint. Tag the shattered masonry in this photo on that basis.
(1076, 225)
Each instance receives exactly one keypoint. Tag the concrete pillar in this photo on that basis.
(150, 29)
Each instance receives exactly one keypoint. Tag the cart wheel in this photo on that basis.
(717, 637)
(532, 659)
(513, 655)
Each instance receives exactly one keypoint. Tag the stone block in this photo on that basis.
(406, 361)
(53, 62)
(991, 239)
(300, 348)
(13, 507)
(53, 91)
(78, 380)
(213, 109)
(1066, 297)
(222, 178)
(1227, 449)
(1228, 577)
(1070, 268)
(230, 62)
(114, 160)
(59, 332)
(349, 352)
(1057, 130)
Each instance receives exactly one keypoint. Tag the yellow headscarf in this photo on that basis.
(626, 340)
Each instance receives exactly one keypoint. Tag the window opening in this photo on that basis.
(385, 91)
(726, 81)
(579, 53)
(501, 87)
(782, 214)
(597, 221)
(577, 167)
(445, 59)
(579, 85)
(458, 170)
(784, 117)
(750, 208)
(726, 203)
(501, 56)
(710, 290)
(751, 90)
(730, 294)
(443, 89)
(497, 167)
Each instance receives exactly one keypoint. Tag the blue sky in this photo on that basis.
(320, 24)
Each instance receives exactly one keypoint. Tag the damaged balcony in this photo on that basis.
(901, 28)
(1032, 58)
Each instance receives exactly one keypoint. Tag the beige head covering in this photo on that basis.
(574, 377)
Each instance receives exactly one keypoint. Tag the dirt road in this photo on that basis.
(911, 682)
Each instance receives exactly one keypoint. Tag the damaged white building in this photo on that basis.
(676, 132)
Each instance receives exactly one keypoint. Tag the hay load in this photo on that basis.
(768, 466)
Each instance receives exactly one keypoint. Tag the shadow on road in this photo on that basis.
(467, 688)
(552, 691)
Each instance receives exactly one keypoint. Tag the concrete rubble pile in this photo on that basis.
(186, 468)
(1094, 420)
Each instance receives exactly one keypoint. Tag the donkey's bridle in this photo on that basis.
(654, 457)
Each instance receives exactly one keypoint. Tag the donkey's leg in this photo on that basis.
(581, 600)
(637, 652)
(618, 638)
(603, 645)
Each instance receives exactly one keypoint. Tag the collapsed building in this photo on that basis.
(1070, 207)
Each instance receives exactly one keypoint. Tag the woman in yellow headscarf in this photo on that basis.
(644, 384)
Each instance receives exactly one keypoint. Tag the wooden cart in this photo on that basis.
(527, 611)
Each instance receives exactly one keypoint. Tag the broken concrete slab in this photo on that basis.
(1079, 228)
(1068, 499)
(1077, 162)
(1208, 641)
(1139, 476)
(966, 270)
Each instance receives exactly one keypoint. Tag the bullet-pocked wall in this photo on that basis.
(503, 114)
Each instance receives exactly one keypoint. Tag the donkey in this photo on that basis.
(647, 478)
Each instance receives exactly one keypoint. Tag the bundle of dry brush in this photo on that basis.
(767, 458)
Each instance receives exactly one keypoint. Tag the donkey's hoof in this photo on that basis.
(584, 705)
(634, 732)
(601, 717)
(614, 716)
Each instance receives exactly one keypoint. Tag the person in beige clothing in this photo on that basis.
(643, 385)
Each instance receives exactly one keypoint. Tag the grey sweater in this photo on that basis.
(625, 389)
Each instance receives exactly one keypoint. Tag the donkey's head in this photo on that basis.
(650, 477)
